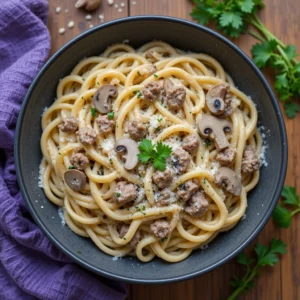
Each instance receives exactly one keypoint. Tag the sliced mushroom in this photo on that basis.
(215, 99)
(75, 179)
(130, 149)
(102, 97)
(227, 178)
(214, 128)
(88, 5)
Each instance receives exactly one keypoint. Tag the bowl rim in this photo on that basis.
(282, 128)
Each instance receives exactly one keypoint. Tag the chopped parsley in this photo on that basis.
(111, 115)
(93, 111)
(164, 239)
(110, 161)
(124, 238)
(59, 153)
(207, 143)
(118, 194)
(155, 75)
(139, 94)
(141, 209)
(71, 167)
(159, 120)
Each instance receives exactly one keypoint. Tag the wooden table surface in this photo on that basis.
(282, 18)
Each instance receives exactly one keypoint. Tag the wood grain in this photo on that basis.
(280, 282)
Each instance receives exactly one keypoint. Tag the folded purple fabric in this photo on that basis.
(31, 267)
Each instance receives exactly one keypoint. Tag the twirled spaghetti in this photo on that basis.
(160, 94)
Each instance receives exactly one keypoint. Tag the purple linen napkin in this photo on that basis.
(30, 266)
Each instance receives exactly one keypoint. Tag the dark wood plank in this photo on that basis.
(282, 18)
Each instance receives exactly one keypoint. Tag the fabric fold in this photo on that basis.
(31, 266)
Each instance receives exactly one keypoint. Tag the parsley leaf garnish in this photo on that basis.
(71, 167)
(93, 111)
(263, 52)
(156, 154)
(207, 142)
(265, 256)
(111, 115)
(281, 215)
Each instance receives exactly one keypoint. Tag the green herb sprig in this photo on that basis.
(93, 111)
(265, 256)
(156, 154)
(282, 216)
(111, 115)
(233, 18)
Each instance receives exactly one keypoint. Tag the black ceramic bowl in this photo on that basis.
(187, 36)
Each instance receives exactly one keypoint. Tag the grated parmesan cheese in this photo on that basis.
(41, 174)
(44, 110)
(214, 167)
(174, 142)
(141, 169)
(155, 122)
(263, 159)
(108, 145)
(61, 215)
(262, 156)
(172, 199)
(140, 195)
(116, 258)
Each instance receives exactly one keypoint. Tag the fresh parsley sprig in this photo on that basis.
(156, 154)
(93, 112)
(282, 216)
(111, 115)
(265, 256)
(233, 18)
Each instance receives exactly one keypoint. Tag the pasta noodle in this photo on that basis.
(139, 210)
